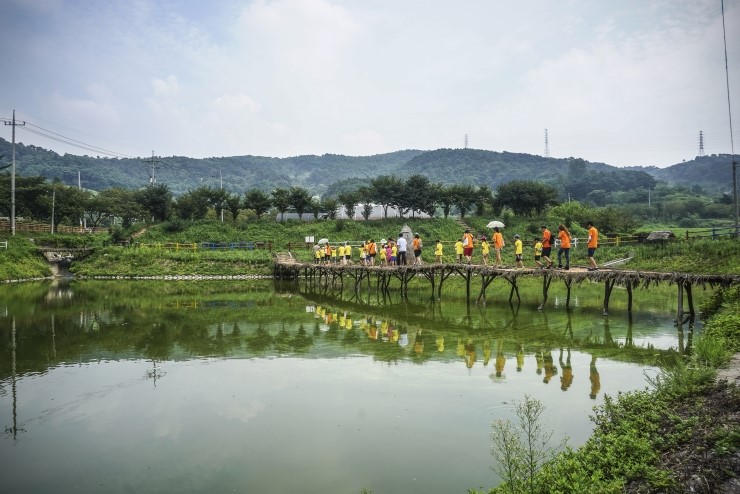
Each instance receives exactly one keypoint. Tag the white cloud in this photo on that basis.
(625, 83)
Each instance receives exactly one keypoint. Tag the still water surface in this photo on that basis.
(234, 387)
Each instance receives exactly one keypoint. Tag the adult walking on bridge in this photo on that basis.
(593, 244)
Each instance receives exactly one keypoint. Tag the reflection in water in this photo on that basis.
(358, 372)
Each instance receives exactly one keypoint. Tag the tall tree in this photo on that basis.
(386, 190)
(281, 201)
(300, 200)
(156, 199)
(257, 201)
(349, 201)
(330, 206)
(233, 204)
(464, 197)
(525, 197)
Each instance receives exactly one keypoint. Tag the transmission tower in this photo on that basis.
(547, 145)
(701, 143)
(152, 164)
(466, 141)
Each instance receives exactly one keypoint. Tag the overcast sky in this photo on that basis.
(625, 82)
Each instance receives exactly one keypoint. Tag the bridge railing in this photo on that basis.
(194, 246)
(713, 233)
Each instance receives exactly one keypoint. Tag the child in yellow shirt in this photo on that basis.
(459, 249)
(485, 248)
(537, 252)
(438, 251)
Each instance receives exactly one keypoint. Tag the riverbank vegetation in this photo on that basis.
(683, 435)
(178, 248)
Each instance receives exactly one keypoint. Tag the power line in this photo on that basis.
(35, 129)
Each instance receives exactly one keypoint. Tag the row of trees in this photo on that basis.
(36, 198)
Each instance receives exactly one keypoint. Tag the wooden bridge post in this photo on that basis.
(608, 285)
(514, 288)
(690, 300)
(546, 280)
(629, 298)
(679, 305)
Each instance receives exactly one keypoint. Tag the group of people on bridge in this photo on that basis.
(395, 252)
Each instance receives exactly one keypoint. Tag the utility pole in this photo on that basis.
(221, 182)
(732, 141)
(153, 165)
(14, 123)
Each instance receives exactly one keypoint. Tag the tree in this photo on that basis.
(330, 206)
(257, 201)
(233, 204)
(194, 204)
(29, 197)
(464, 197)
(419, 194)
(121, 203)
(386, 191)
(281, 201)
(446, 198)
(484, 197)
(68, 204)
(156, 199)
(300, 200)
(366, 194)
(349, 201)
(525, 196)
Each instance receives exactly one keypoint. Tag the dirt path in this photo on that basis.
(732, 372)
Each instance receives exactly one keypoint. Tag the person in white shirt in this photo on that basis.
(401, 249)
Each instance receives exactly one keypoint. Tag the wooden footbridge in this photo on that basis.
(384, 277)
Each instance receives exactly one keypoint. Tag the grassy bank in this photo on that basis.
(683, 435)
(22, 260)
(148, 257)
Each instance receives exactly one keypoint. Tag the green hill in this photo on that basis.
(320, 174)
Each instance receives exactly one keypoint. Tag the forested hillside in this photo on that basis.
(712, 173)
(331, 174)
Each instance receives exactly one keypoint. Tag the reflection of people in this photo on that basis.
(486, 352)
(403, 339)
(440, 344)
(500, 359)
(470, 356)
(567, 378)
(419, 342)
(520, 358)
(540, 359)
(594, 378)
(550, 369)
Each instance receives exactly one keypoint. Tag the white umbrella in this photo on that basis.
(495, 223)
(323, 241)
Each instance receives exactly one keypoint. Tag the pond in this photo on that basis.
(149, 386)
